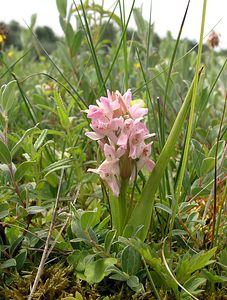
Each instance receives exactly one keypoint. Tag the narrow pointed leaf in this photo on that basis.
(143, 210)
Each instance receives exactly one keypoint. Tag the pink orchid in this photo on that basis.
(118, 128)
(136, 111)
(109, 171)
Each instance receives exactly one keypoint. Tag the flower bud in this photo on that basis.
(213, 40)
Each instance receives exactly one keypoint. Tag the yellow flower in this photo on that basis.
(10, 54)
(136, 66)
(2, 38)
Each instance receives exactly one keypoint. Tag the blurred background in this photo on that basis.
(165, 15)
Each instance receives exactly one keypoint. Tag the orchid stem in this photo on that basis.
(122, 204)
(118, 207)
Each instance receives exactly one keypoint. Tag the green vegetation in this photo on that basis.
(63, 234)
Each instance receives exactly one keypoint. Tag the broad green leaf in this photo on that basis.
(89, 219)
(207, 165)
(130, 260)
(5, 156)
(202, 259)
(96, 270)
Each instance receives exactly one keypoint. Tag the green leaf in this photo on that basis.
(63, 53)
(117, 274)
(190, 264)
(15, 244)
(191, 286)
(78, 296)
(164, 207)
(26, 134)
(193, 283)
(130, 260)
(140, 22)
(89, 219)
(202, 259)
(63, 163)
(8, 263)
(4, 210)
(134, 283)
(69, 34)
(62, 113)
(109, 238)
(62, 7)
(7, 96)
(26, 168)
(96, 270)
(21, 258)
(33, 21)
(38, 143)
(5, 156)
(214, 278)
(207, 165)
(77, 40)
(32, 210)
(221, 147)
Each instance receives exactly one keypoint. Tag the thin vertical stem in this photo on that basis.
(45, 251)
(125, 50)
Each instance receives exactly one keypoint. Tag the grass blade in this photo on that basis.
(91, 46)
